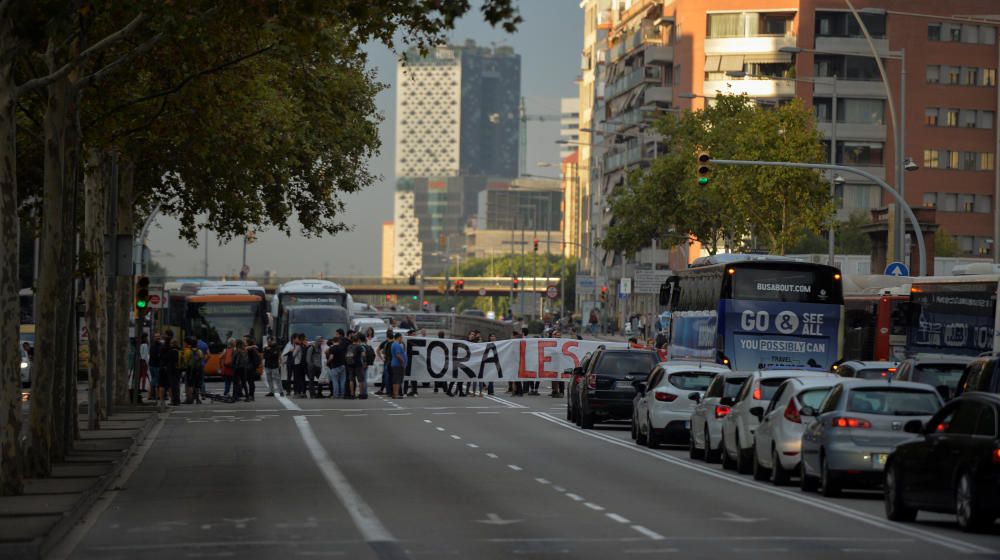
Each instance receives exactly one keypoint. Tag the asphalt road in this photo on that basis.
(439, 477)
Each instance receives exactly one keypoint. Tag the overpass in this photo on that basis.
(378, 286)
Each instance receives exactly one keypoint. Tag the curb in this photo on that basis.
(42, 546)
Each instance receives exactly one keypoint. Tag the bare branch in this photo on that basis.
(95, 48)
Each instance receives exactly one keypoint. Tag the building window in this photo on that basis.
(931, 116)
(953, 159)
(861, 153)
(967, 118)
(931, 160)
(933, 31)
(930, 199)
(984, 204)
(987, 35)
(725, 25)
(949, 202)
(952, 74)
(987, 161)
(933, 74)
(970, 33)
(847, 67)
(988, 77)
(951, 117)
(970, 76)
(984, 119)
(969, 162)
(861, 111)
(843, 24)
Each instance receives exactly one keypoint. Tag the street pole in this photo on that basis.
(922, 250)
(833, 182)
(900, 231)
(109, 374)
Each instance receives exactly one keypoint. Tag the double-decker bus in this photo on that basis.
(751, 312)
(305, 292)
(215, 315)
(954, 315)
(875, 317)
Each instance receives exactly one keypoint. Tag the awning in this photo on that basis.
(731, 63)
(767, 58)
(712, 63)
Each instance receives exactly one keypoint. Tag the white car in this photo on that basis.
(665, 401)
(712, 408)
(740, 424)
(778, 442)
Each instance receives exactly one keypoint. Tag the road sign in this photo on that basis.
(896, 269)
(585, 284)
(552, 292)
(625, 287)
(156, 299)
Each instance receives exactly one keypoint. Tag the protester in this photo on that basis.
(440, 385)
(272, 370)
(190, 361)
(314, 366)
(155, 351)
(385, 353)
(226, 366)
(519, 386)
(171, 375)
(398, 363)
(239, 369)
(253, 366)
(335, 360)
(143, 362)
(299, 365)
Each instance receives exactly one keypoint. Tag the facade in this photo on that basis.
(407, 251)
(528, 203)
(573, 204)
(485, 243)
(569, 125)
(456, 116)
(388, 244)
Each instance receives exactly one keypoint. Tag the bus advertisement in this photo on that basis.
(953, 315)
(757, 313)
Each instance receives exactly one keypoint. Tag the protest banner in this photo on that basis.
(434, 359)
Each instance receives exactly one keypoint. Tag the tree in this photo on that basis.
(774, 205)
(945, 244)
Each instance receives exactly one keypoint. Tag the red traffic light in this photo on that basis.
(459, 284)
(536, 245)
(514, 281)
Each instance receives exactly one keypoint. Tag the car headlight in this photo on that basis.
(24, 365)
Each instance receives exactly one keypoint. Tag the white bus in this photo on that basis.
(305, 292)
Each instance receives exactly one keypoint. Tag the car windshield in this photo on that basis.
(620, 364)
(872, 373)
(893, 401)
(769, 386)
(813, 397)
(691, 380)
(732, 387)
(937, 375)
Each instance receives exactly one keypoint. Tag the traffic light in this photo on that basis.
(604, 294)
(514, 282)
(415, 298)
(536, 245)
(141, 296)
(704, 167)
(459, 285)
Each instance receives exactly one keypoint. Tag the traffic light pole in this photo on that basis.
(922, 271)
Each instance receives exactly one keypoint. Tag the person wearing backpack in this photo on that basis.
(335, 360)
(354, 360)
(253, 366)
(239, 369)
(367, 359)
(191, 361)
(314, 363)
(226, 366)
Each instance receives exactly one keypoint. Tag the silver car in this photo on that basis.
(778, 440)
(856, 427)
(712, 408)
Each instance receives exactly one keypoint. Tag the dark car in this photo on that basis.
(954, 466)
(606, 388)
(981, 374)
(940, 372)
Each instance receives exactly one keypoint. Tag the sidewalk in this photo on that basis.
(32, 524)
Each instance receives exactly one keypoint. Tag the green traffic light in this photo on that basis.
(703, 181)
(141, 304)
(415, 298)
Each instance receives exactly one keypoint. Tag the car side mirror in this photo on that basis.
(807, 411)
(914, 427)
(757, 411)
(695, 396)
(727, 401)
(640, 387)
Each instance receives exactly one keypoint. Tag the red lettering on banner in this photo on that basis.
(543, 359)
(571, 355)
(522, 370)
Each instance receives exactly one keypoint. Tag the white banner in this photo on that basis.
(436, 359)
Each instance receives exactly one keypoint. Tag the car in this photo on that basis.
(857, 425)
(777, 442)
(710, 410)
(863, 369)
(739, 425)
(606, 391)
(980, 374)
(573, 392)
(665, 400)
(25, 369)
(953, 466)
(941, 372)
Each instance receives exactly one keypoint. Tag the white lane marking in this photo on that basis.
(442, 413)
(616, 517)
(287, 403)
(472, 445)
(440, 429)
(872, 550)
(494, 412)
(760, 550)
(368, 524)
(506, 403)
(400, 414)
(354, 415)
(575, 497)
(558, 488)
(492, 455)
(541, 481)
(648, 533)
(837, 509)
(651, 550)
(428, 421)
(593, 506)
(453, 436)
(514, 468)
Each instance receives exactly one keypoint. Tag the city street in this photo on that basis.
(436, 477)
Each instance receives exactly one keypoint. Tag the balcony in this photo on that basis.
(751, 87)
(659, 54)
(641, 75)
(760, 44)
(850, 45)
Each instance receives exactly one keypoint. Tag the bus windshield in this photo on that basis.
(216, 322)
(783, 284)
(315, 322)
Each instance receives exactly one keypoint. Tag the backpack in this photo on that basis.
(254, 358)
(369, 355)
(351, 357)
(227, 357)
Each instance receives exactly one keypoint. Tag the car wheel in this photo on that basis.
(972, 516)
(569, 411)
(652, 440)
(895, 508)
(586, 419)
(828, 481)
(727, 461)
(712, 455)
(640, 438)
(779, 475)
(759, 471)
(635, 430)
(693, 450)
(806, 482)
(743, 465)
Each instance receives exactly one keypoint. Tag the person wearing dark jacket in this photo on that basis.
(272, 368)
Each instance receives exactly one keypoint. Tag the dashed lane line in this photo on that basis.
(593, 506)
(616, 518)
(653, 535)
(514, 468)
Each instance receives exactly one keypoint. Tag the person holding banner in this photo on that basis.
(385, 353)
(398, 364)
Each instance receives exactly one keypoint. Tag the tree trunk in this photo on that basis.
(71, 182)
(11, 457)
(123, 296)
(95, 213)
(49, 363)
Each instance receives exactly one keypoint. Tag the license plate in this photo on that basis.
(624, 385)
(879, 459)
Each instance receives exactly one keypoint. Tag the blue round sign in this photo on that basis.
(896, 269)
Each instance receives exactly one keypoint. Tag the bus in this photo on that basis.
(216, 317)
(752, 312)
(314, 321)
(954, 315)
(875, 317)
(305, 292)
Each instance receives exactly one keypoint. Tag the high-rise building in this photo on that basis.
(388, 244)
(456, 116)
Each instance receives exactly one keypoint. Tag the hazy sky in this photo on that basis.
(549, 42)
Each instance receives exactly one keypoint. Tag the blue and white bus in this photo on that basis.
(955, 315)
(751, 312)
